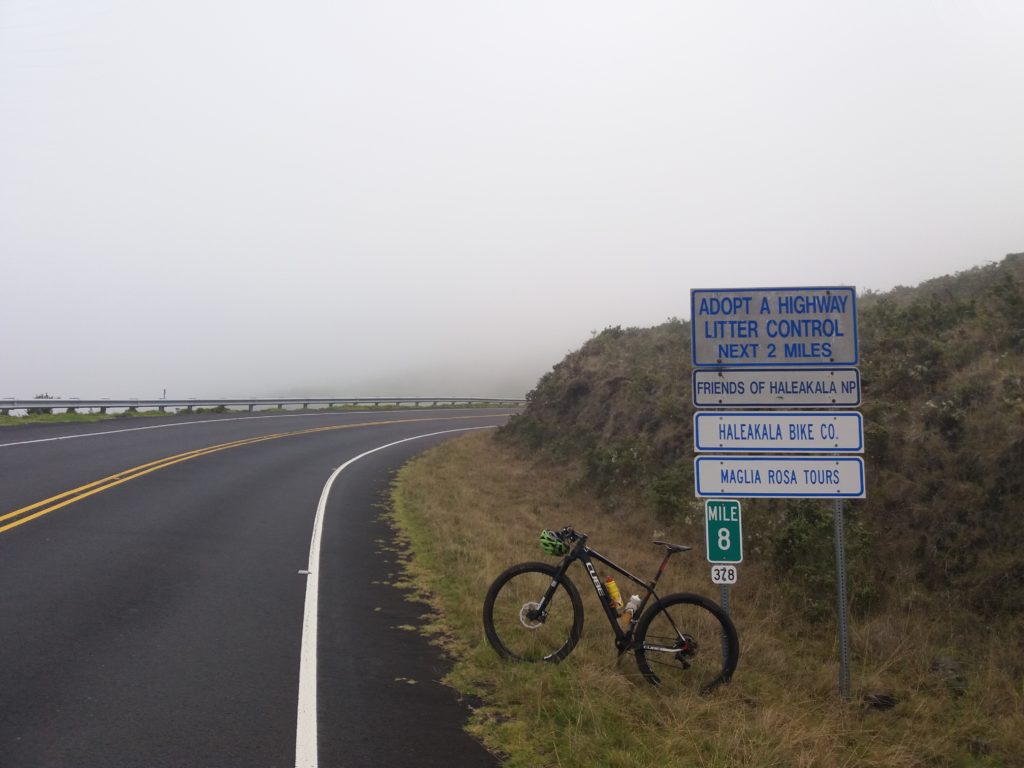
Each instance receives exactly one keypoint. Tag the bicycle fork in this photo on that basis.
(538, 612)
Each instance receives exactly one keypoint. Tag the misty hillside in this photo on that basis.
(943, 382)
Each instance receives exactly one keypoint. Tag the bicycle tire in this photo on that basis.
(517, 636)
(686, 641)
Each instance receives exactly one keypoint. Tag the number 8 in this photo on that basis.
(724, 539)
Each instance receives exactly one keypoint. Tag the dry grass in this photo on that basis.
(471, 508)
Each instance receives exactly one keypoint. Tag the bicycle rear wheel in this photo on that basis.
(686, 641)
(516, 628)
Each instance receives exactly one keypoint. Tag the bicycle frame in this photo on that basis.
(587, 556)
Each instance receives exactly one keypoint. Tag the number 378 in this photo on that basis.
(723, 574)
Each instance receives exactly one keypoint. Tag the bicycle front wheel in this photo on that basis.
(686, 641)
(516, 626)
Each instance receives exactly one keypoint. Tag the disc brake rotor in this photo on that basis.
(525, 613)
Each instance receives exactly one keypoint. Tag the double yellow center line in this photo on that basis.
(46, 506)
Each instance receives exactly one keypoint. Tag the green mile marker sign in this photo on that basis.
(724, 531)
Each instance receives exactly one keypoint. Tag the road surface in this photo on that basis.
(155, 580)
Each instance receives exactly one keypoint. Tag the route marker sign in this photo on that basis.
(723, 531)
(776, 388)
(774, 327)
(723, 574)
(801, 477)
(779, 431)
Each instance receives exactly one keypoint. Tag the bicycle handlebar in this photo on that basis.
(568, 533)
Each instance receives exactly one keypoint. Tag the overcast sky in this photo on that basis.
(262, 198)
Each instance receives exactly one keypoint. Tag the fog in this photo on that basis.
(256, 199)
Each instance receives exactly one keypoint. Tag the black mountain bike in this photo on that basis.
(533, 612)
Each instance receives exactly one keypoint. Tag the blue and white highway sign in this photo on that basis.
(776, 387)
(774, 327)
(800, 477)
(779, 431)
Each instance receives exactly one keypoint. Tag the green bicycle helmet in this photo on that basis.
(551, 543)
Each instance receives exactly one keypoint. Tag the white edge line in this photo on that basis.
(306, 753)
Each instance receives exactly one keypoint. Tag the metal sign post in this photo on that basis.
(723, 600)
(841, 599)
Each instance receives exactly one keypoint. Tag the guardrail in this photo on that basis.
(70, 405)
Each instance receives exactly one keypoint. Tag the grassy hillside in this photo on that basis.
(943, 380)
(931, 686)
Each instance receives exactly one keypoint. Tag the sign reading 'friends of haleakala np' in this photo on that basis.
(776, 387)
(776, 327)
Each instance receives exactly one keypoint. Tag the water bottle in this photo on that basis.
(614, 596)
(629, 611)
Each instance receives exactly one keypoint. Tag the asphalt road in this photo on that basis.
(156, 618)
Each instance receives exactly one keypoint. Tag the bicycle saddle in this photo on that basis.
(673, 547)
